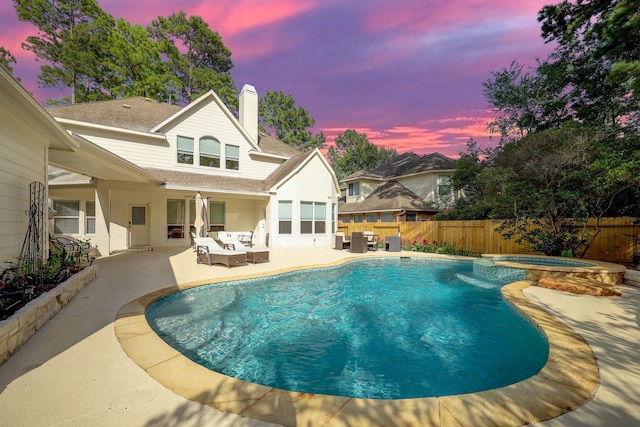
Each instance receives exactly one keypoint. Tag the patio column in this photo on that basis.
(102, 240)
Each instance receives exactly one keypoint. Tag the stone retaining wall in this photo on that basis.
(24, 323)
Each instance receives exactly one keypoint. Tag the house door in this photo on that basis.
(139, 226)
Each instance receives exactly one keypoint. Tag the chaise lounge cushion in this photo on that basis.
(210, 252)
(254, 255)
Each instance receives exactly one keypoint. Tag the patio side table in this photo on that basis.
(393, 243)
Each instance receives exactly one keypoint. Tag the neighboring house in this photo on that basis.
(408, 188)
(250, 181)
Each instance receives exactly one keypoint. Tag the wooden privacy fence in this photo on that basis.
(616, 242)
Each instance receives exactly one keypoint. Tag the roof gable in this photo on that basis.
(200, 103)
(292, 165)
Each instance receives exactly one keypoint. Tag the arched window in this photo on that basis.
(209, 152)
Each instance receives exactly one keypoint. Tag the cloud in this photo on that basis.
(447, 136)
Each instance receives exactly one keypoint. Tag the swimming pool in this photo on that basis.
(379, 328)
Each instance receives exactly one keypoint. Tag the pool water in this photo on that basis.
(377, 328)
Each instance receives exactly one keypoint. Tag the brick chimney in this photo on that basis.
(248, 114)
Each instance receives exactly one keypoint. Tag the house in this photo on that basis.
(407, 188)
(27, 133)
(250, 181)
(30, 140)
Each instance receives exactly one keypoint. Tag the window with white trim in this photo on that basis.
(333, 217)
(209, 152)
(67, 217)
(444, 185)
(354, 189)
(285, 211)
(216, 216)
(185, 150)
(90, 217)
(313, 218)
(232, 157)
(175, 218)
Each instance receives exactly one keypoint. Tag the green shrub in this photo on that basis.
(437, 248)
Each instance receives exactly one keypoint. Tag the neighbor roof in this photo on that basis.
(406, 164)
(390, 196)
(137, 113)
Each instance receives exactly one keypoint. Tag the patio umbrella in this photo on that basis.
(200, 222)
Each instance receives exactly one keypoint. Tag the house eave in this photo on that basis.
(121, 131)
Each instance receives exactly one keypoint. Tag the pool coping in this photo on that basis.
(567, 380)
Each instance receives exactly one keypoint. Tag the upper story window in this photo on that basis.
(209, 152)
(185, 150)
(354, 189)
(232, 155)
(444, 185)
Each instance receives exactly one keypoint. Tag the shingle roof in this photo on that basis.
(271, 145)
(390, 196)
(142, 114)
(175, 179)
(406, 164)
(138, 113)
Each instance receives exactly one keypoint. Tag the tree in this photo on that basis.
(196, 55)
(292, 125)
(6, 58)
(353, 152)
(598, 45)
(71, 40)
(546, 186)
(135, 67)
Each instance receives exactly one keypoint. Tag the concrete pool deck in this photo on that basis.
(74, 371)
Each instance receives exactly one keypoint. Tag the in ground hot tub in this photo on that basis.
(537, 266)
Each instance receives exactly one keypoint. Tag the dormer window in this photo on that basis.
(185, 150)
(209, 152)
(354, 189)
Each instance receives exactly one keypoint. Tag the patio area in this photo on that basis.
(74, 372)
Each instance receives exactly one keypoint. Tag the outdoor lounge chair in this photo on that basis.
(372, 242)
(210, 252)
(254, 255)
(342, 241)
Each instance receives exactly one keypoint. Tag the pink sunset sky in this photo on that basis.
(408, 73)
